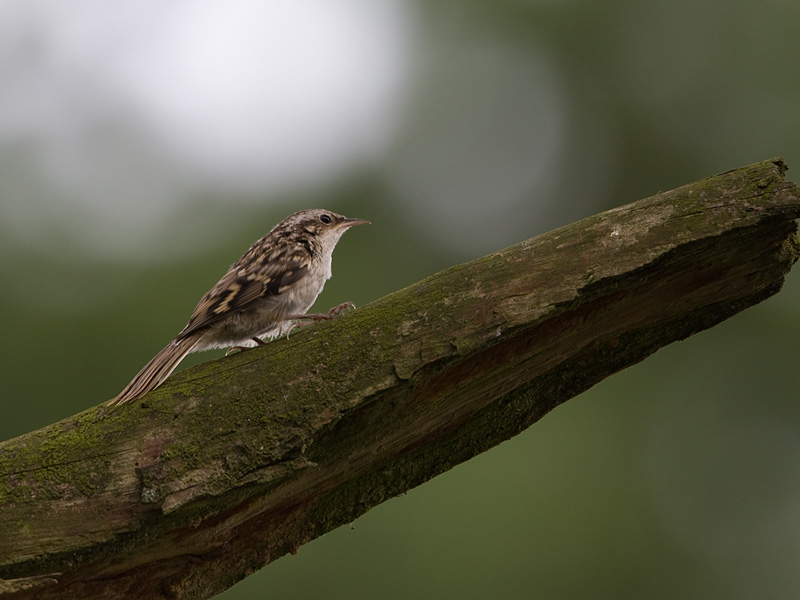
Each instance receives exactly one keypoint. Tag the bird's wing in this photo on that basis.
(243, 285)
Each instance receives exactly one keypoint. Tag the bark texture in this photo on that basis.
(233, 463)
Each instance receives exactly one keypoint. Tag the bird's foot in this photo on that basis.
(317, 317)
(258, 341)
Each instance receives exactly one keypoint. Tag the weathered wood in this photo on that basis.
(233, 463)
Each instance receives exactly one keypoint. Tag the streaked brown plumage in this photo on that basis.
(275, 282)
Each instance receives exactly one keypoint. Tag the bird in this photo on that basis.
(260, 297)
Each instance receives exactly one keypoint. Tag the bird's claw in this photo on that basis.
(292, 326)
(338, 310)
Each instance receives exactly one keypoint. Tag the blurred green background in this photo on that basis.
(144, 147)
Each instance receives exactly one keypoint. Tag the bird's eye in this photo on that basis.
(325, 218)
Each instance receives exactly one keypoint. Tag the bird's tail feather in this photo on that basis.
(157, 370)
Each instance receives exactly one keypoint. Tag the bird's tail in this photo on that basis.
(157, 370)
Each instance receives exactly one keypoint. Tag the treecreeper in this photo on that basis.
(261, 296)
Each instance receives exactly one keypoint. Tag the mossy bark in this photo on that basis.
(233, 463)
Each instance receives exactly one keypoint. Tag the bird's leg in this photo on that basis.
(317, 317)
(314, 317)
(258, 341)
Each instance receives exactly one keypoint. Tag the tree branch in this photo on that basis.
(233, 463)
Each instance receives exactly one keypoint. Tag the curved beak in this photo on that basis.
(350, 222)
